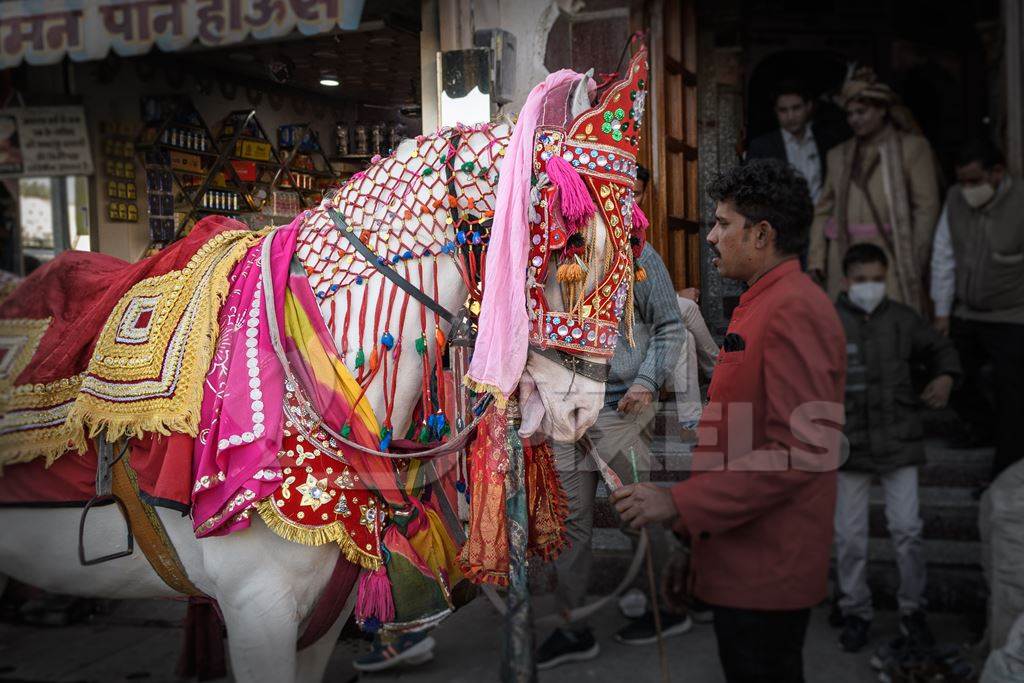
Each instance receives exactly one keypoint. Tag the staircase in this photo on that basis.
(948, 510)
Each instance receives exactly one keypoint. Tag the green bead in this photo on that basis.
(383, 432)
(619, 113)
(360, 358)
(346, 430)
(424, 434)
(421, 345)
(608, 116)
(428, 171)
(468, 166)
(606, 127)
(616, 135)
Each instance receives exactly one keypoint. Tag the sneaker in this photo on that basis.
(855, 634)
(410, 649)
(563, 647)
(888, 653)
(700, 612)
(915, 627)
(633, 603)
(642, 631)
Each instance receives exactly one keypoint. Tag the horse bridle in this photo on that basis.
(578, 365)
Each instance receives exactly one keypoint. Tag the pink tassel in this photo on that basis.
(577, 205)
(640, 222)
(374, 598)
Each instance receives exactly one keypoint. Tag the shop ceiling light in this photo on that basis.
(329, 79)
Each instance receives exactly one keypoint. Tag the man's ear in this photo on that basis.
(764, 234)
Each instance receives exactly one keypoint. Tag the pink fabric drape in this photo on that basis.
(499, 356)
(235, 459)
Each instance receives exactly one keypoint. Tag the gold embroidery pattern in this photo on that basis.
(32, 416)
(149, 377)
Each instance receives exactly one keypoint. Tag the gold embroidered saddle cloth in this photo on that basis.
(91, 343)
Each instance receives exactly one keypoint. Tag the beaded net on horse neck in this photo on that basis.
(432, 199)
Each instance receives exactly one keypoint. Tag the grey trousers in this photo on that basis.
(613, 435)
(904, 522)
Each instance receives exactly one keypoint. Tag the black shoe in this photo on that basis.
(835, 615)
(855, 634)
(410, 649)
(642, 632)
(915, 627)
(563, 647)
(700, 612)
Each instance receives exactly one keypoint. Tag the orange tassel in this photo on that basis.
(374, 359)
(641, 274)
(571, 272)
(439, 337)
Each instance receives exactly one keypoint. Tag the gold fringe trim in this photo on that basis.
(315, 536)
(483, 388)
(112, 364)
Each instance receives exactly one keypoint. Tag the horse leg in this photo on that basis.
(265, 587)
(312, 661)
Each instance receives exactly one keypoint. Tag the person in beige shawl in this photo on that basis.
(881, 187)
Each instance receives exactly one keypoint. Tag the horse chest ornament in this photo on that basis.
(583, 169)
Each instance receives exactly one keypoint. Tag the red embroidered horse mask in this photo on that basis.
(582, 165)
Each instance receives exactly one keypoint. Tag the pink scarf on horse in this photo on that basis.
(502, 342)
(240, 424)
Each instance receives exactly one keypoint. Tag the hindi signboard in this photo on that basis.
(44, 31)
(44, 141)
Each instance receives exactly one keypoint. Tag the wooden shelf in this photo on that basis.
(221, 149)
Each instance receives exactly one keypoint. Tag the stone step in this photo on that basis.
(955, 581)
(944, 467)
(947, 514)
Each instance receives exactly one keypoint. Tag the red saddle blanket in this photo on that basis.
(69, 301)
(163, 466)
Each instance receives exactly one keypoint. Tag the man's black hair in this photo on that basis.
(982, 150)
(865, 252)
(642, 174)
(769, 190)
(791, 87)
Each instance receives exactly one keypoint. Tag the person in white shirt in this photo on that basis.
(977, 288)
(796, 140)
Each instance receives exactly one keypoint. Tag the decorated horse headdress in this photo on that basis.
(568, 161)
(590, 163)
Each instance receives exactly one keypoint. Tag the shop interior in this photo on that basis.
(257, 131)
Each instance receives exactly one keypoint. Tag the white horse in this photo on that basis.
(266, 587)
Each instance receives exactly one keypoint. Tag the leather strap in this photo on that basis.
(149, 531)
(389, 272)
(581, 366)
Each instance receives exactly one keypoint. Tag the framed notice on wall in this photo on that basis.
(44, 141)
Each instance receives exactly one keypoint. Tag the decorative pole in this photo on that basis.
(517, 663)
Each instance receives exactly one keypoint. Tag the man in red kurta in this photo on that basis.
(759, 506)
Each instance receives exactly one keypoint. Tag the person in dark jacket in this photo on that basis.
(797, 140)
(883, 339)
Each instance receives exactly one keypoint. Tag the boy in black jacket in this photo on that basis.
(884, 430)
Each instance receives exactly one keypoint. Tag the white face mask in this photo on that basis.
(867, 295)
(978, 195)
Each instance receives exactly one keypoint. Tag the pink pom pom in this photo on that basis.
(640, 222)
(374, 598)
(577, 205)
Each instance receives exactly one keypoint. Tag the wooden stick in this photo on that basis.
(652, 584)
